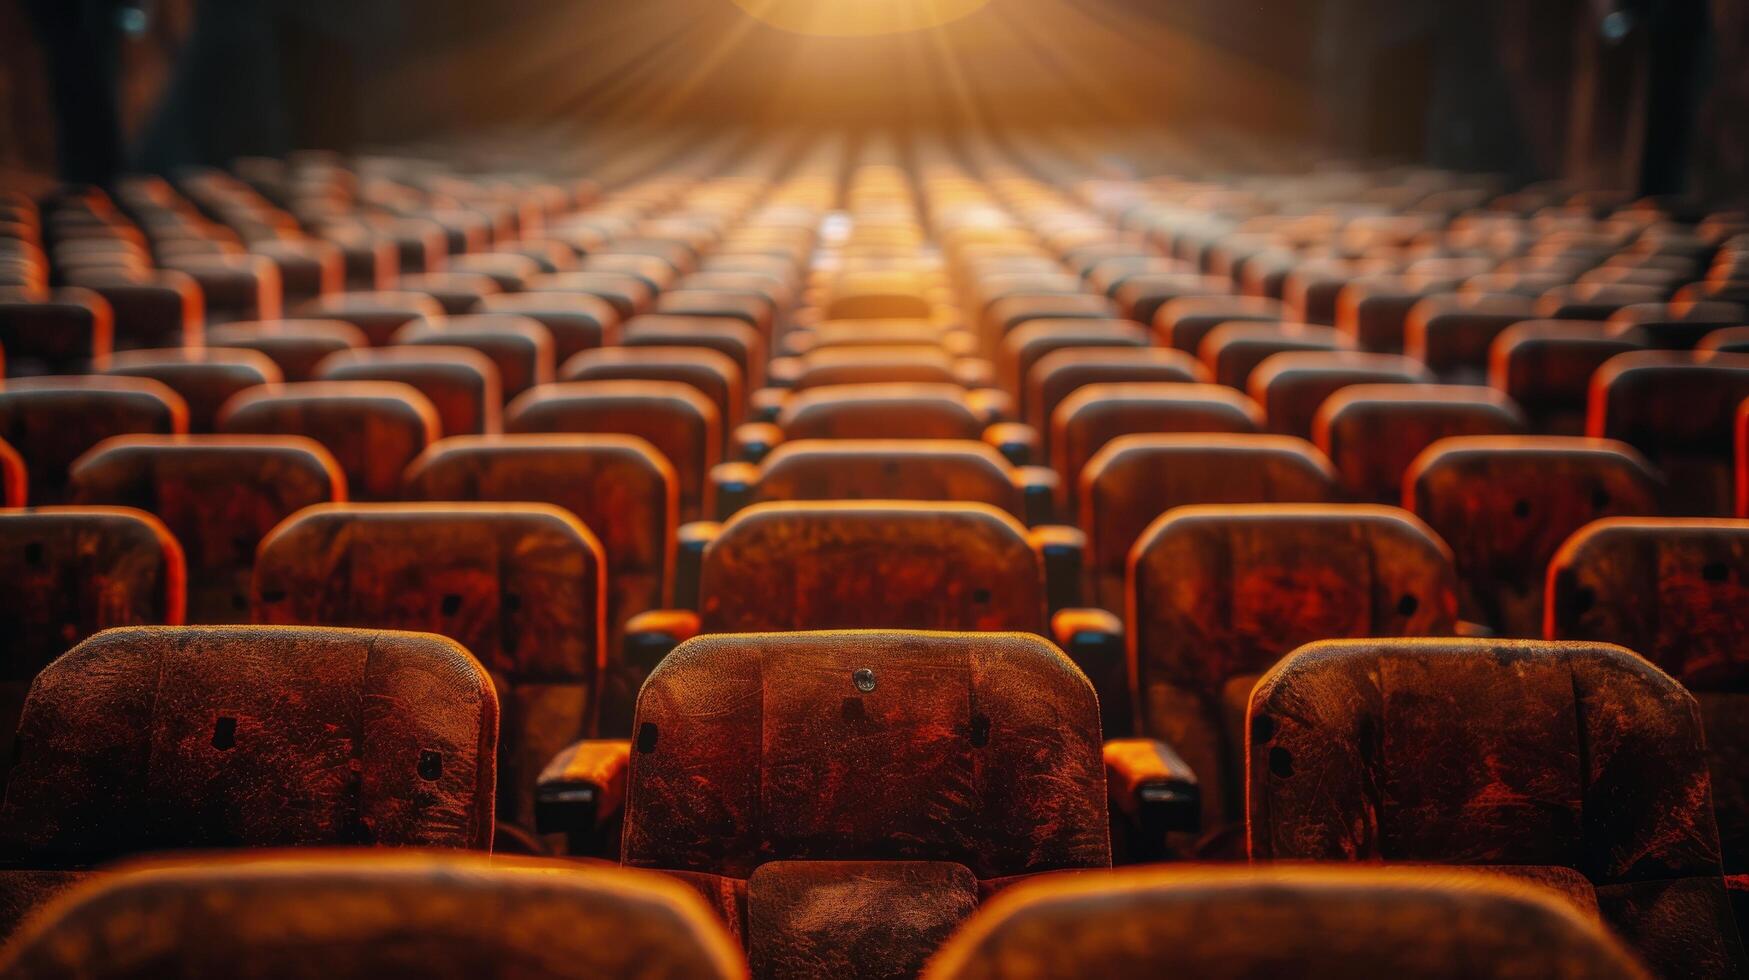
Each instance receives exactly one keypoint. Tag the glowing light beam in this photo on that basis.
(858, 18)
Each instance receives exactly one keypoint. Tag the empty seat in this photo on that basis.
(1372, 433)
(233, 287)
(620, 487)
(1136, 478)
(886, 411)
(1098, 413)
(1676, 326)
(71, 332)
(353, 917)
(675, 418)
(1217, 594)
(1680, 412)
(1185, 323)
(519, 346)
(1596, 301)
(218, 495)
(1326, 923)
(747, 307)
(377, 314)
(737, 340)
(628, 295)
(1374, 310)
(455, 292)
(1061, 373)
(1030, 342)
(1452, 333)
(1141, 297)
(877, 365)
(162, 308)
(294, 346)
(51, 421)
(461, 383)
(1499, 752)
(1292, 387)
(520, 586)
(308, 267)
(1672, 590)
(806, 827)
(1545, 366)
(1232, 351)
(205, 377)
(713, 373)
(148, 739)
(1007, 314)
(372, 428)
(577, 322)
(1506, 504)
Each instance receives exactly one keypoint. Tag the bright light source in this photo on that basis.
(846, 18)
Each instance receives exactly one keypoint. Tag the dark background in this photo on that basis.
(1526, 87)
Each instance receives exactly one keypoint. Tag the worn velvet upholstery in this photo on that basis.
(51, 421)
(372, 428)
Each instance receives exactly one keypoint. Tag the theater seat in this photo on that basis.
(713, 373)
(377, 314)
(462, 384)
(356, 917)
(1098, 413)
(1506, 504)
(680, 422)
(891, 411)
(205, 377)
(51, 421)
(1546, 366)
(1372, 433)
(620, 487)
(70, 332)
(1233, 350)
(730, 337)
(1325, 923)
(1185, 323)
(1217, 594)
(294, 346)
(1452, 333)
(845, 800)
(1291, 387)
(1061, 373)
(372, 428)
(1680, 411)
(576, 322)
(148, 739)
(218, 495)
(1500, 752)
(1136, 478)
(520, 348)
(1029, 343)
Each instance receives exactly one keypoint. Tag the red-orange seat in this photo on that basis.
(713, 373)
(51, 421)
(1029, 343)
(218, 495)
(372, 428)
(518, 346)
(1061, 373)
(377, 314)
(1676, 326)
(577, 322)
(455, 292)
(1372, 433)
(161, 308)
(1680, 412)
(733, 338)
(520, 586)
(294, 346)
(1096, 414)
(1292, 387)
(1185, 323)
(1452, 333)
(72, 332)
(1576, 756)
(205, 377)
(1232, 351)
(1545, 366)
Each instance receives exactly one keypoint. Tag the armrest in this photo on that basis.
(1014, 440)
(652, 634)
(1094, 640)
(732, 485)
(753, 440)
(690, 542)
(1148, 783)
(1064, 550)
(993, 405)
(1038, 493)
(582, 790)
(765, 404)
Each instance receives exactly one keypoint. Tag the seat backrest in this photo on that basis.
(713, 373)
(462, 384)
(357, 917)
(373, 428)
(1506, 752)
(1546, 367)
(577, 322)
(1506, 504)
(1136, 478)
(218, 495)
(378, 314)
(1217, 594)
(294, 346)
(1680, 411)
(881, 411)
(1372, 433)
(520, 348)
(981, 749)
(1032, 341)
(1060, 373)
(730, 337)
(1232, 351)
(151, 739)
(205, 377)
(520, 585)
(899, 364)
(1452, 332)
(1324, 923)
(51, 421)
(1184, 323)
(71, 332)
(1098, 413)
(1292, 386)
(889, 469)
(887, 564)
(675, 418)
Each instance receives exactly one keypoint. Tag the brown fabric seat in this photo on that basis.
(372, 428)
(218, 495)
(1452, 333)
(1061, 373)
(628, 295)
(1030, 342)
(294, 346)
(1095, 414)
(71, 572)
(1185, 323)
(1136, 478)
(354, 917)
(521, 586)
(1680, 412)
(1217, 594)
(882, 411)
(462, 384)
(52, 421)
(885, 469)
(1546, 367)
(1506, 504)
(675, 418)
(1291, 387)
(713, 373)
(520, 348)
(205, 377)
(790, 566)
(620, 487)
(162, 308)
(1500, 752)
(1326, 923)
(1372, 433)
(576, 322)
(455, 292)
(377, 314)
(195, 738)
(727, 336)
(845, 800)
(1677, 326)
(1232, 351)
